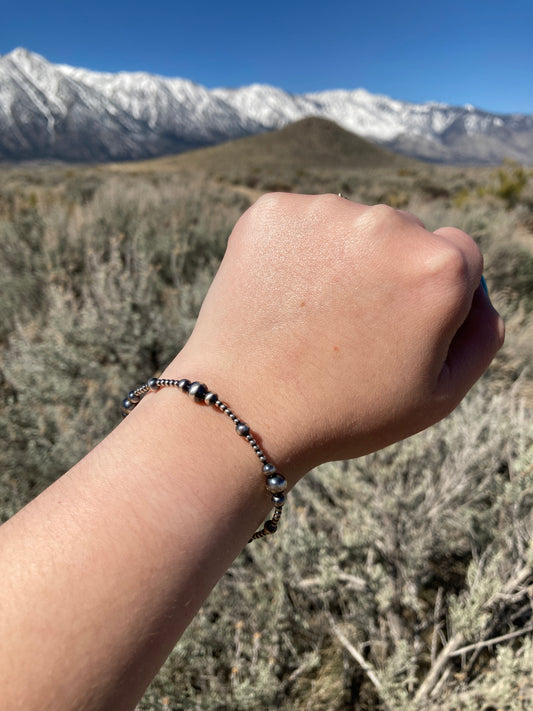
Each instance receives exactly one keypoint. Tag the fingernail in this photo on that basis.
(484, 285)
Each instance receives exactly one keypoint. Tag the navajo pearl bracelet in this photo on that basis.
(275, 483)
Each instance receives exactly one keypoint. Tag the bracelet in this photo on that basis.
(275, 483)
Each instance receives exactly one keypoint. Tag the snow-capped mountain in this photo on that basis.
(59, 112)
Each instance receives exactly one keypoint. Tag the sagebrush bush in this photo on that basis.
(511, 181)
(95, 299)
(511, 272)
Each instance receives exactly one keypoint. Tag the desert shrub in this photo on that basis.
(511, 270)
(94, 299)
(399, 200)
(429, 189)
(22, 268)
(487, 223)
(81, 188)
(511, 180)
(278, 186)
(110, 326)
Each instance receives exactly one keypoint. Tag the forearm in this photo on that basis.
(118, 555)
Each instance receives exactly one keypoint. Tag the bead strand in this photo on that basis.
(275, 483)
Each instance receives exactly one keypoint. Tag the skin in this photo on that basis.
(333, 329)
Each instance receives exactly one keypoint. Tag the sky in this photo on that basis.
(476, 52)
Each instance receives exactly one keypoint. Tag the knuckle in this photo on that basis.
(382, 213)
(450, 278)
(262, 210)
(267, 202)
(454, 265)
(381, 219)
(325, 203)
(463, 252)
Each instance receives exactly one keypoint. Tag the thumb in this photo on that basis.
(473, 347)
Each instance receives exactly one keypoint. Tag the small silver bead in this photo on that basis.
(242, 429)
(183, 384)
(211, 398)
(153, 384)
(127, 406)
(276, 483)
(132, 397)
(278, 500)
(270, 526)
(268, 469)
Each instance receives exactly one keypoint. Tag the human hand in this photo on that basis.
(336, 329)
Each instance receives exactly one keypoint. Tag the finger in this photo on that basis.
(472, 349)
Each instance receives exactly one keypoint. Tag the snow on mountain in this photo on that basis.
(163, 104)
(61, 112)
(271, 107)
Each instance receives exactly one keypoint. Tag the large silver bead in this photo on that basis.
(197, 391)
(276, 483)
(242, 429)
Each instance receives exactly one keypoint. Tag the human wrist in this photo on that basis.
(191, 452)
(200, 394)
(254, 400)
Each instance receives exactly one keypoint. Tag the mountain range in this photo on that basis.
(59, 112)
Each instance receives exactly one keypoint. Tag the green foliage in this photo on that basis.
(512, 179)
(507, 184)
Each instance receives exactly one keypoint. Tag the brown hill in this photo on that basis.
(312, 143)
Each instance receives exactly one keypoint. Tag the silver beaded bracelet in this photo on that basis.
(275, 483)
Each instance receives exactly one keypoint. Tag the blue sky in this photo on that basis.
(473, 51)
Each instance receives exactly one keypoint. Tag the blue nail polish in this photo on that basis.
(484, 285)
